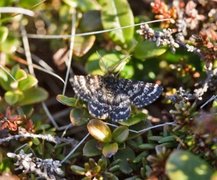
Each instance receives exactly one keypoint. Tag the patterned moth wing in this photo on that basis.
(104, 98)
(140, 93)
(87, 88)
(109, 97)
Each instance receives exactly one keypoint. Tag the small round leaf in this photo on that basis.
(3, 33)
(110, 149)
(66, 100)
(120, 134)
(185, 165)
(99, 130)
(79, 116)
(12, 97)
(90, 148)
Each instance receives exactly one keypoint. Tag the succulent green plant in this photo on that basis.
(20, 87)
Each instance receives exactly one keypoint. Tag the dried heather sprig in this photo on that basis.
(162, 38)
(162, 11)
(209, 84)
(186, 15)
(192, 15)
(46, 137)
(166, 37)
(181, 95)
(44, 168)
(158, 162)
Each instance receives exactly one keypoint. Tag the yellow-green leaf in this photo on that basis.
(146, 49)
(27, 83)
(183, 165)
(33, 95)
(79, 116)
(83, 45)
(120, 134)
(66, 100)
(3, 33)
(110, 149)
(12, 97)
(115, 14)
(99, 130)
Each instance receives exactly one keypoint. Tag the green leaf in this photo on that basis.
(10, 45)
(134, 119)
(214, 104)
(83, 5)
(115, 14)
(78, 170)
(139, 158)
(99, 130)
(124, 154)
(167, 139)
(102, 162)
(146, 146)
(33, 95)
(125, 167)
(79, 116)
(147, 49)
(90, 148)
(36, 141)
(3, 33)
(214, 176)
(29, 4)
(92, 65)
(113, 62)
(109, 150)
(111, 176)
(91, 21)
(83, 44)
(120, 134)
(27, 83)
(12, 97)
(66, 100)
(183, 165)
(19, 74)
(127, 72)
(5, 80)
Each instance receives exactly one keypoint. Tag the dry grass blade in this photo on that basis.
(17, 10)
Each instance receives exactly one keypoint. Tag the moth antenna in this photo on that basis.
(116, 65)
(100, 57)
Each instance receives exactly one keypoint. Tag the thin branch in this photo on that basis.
(73, 150)
(20, 60)
(39, 3)
(8, 73)
(27, 50)
(47, 137)
(51, 118)
(49, 115)
(40, 36)
(17, 10)
(71, 46)
(37, 59)
(213, 97)
(146, 129)
(157, 126)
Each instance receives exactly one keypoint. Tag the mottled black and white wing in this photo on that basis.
(109, 97)
(88, 88)
(81, 86)
(98, 109)
(140, 93)
(108, 101)
(120, 108)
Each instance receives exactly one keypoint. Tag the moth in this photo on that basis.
(111, 97)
